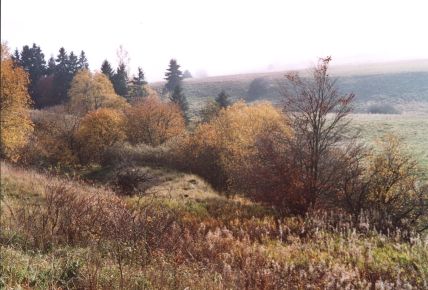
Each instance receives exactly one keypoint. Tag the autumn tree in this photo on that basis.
(98, 131)
(53, 141)
(177, 97)
(222, 149)
(16, 124)
(318, 114)
(387, 183)
(90, 92)
(153, 122)
(173, 76)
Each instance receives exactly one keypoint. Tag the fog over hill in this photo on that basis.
(403, 84)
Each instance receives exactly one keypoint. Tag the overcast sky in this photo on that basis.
(221, 37)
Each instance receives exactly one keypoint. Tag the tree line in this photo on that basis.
(50, 81)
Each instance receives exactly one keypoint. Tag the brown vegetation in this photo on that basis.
(153, 122)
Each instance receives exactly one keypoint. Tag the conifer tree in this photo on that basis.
(120, 81)
(16, 58)
(51, 66)
(180, 99)
(83, 61)
(173, 76)
(32, 60)
(222, 100)
(73, 64)
(107, 70)
(137, 88)
(62, 77)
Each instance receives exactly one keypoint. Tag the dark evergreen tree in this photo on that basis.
(173, 76)
(120, 81)
(16, 57)
(179, 98)
(136, 89)
(33, 61)
(51, 66)
(139, 79)
(73, 64)
(83, 61)
(62, 77)
(222, 100)
(107, 70)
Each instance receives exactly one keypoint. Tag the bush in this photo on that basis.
(388, 185)
(53, 141)
(153, 122)
(223, 148)
(382, 109)
(98, 131)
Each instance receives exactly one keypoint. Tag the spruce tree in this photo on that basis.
(16, 57)
(120, 81)
(73, 64)
(173, 76)
(137, 88)
(179, 98)
(51, 66)
(107, 70)
(83, 61)
(140, 79)
(33, 61)
(62, 77)
(222, 100)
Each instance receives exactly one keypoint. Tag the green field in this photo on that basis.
(412, 128)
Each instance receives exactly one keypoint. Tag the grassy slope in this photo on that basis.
(413, 129)
(226, 244)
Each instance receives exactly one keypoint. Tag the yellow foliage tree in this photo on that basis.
(226, 147)
(90, 92)
(153, 122)
(98, 131)
(16, 125)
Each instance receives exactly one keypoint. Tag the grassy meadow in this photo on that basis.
(412, 128)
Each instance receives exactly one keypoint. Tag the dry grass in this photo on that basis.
(183, 234)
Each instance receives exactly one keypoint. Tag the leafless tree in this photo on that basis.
(318, 113)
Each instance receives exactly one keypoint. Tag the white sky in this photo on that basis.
(221, 37)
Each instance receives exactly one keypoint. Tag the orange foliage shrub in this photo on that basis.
(226, 149)
(16, 125)
(98, 131)
(53, 141)
(153, 122)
